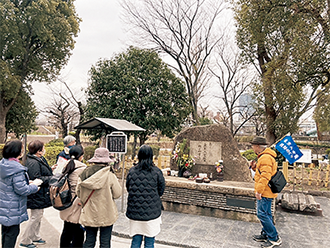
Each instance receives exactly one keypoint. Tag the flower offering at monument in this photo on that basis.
(219, 166)
(181, 156)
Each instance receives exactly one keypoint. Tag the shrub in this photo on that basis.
(155, 150)
(249, 155)
(89, 152)
(1, 147)
(327, 151)
(55, 142)
(51, 153)
(72, 133)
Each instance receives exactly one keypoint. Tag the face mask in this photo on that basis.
(70, 147)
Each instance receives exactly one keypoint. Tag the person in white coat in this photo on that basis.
(97, 188)
(73, 233)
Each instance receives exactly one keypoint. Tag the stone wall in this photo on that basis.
(230, 200)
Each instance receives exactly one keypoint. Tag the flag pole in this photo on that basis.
(274, 144)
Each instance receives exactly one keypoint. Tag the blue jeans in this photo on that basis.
(137, 241)
(264, 213)
(105, 236)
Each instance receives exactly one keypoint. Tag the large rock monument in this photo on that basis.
(211, 143)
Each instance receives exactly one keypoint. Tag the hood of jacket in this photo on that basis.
(97, 180)
(268, 151)
(10, 167)
(79, 164)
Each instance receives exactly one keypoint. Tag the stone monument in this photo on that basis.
(211, 143)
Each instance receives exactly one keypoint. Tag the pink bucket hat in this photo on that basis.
(101, 155)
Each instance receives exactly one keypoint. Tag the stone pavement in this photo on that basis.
(185, 230)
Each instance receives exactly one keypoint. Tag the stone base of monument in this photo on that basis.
(228, 199)
(300, 202)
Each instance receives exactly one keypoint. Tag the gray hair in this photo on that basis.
(68, 139)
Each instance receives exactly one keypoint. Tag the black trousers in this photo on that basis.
(72, 235)
(105, 236)
(9, 236)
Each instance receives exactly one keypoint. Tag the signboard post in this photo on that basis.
(116, 142)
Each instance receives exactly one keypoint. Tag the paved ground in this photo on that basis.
(184, 230)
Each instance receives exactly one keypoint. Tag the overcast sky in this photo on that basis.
(101, 35)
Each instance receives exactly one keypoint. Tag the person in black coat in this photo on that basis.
(37, 168)
(145, 185)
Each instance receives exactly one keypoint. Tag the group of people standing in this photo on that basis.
(94, 189)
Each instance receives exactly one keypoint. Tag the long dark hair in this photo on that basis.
(75, 153)
(145, 156)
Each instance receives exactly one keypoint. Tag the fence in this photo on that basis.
(304, 176)
(161, 162)
(307, 176)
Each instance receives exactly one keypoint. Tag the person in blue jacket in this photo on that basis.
(14, 189)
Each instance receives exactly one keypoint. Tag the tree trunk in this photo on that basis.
(81, 114)
(270, 118)
(77, 136)
(142, 138)
(2, 127)
(3, 115)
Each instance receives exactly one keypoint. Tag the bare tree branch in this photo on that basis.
(184, 30)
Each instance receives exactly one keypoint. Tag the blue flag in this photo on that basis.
(289, 149)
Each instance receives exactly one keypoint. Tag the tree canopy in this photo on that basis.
(21, 117)
(36, 41)
(322, 112)
(288, 42)
(137, 86)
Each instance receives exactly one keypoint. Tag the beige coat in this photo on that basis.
(101, 209)
(72, 214)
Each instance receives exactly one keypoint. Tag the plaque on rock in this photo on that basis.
(205, 152)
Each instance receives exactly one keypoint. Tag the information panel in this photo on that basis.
(117, 143)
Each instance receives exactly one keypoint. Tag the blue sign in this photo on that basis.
(289, 149)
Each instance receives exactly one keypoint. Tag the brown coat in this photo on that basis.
(266, 168)
(72, 214)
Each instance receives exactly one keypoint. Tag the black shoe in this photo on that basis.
(260, 238)
(270, 244)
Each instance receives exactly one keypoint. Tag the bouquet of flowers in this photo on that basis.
(181, 156)
(219, 166)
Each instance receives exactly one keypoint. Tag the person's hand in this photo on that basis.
(258, 196)
(253, 165)
(37, 182)
(54, 167)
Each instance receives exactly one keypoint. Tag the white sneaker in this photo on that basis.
(270, 243)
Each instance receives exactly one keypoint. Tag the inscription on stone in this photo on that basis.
(206, 152)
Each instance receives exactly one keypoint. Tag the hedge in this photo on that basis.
(249, 155)
(1, 147)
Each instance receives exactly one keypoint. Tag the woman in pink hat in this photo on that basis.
(97, 188)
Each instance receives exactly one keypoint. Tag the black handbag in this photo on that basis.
(277, 182)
